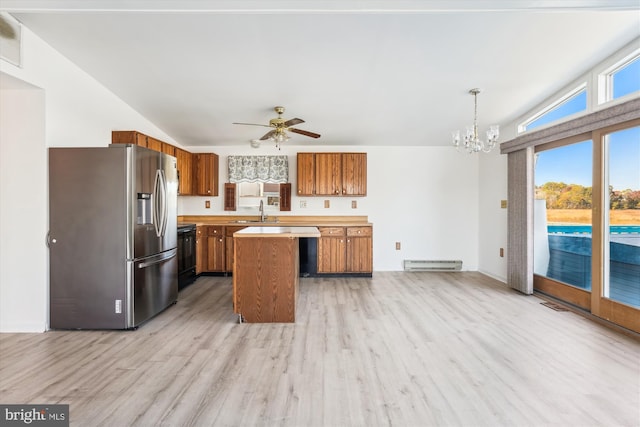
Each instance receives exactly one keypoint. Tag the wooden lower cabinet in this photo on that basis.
(331, 250)
(340, 249)
(359, 250)
(215, 249)
(345, 250)
(201, 249)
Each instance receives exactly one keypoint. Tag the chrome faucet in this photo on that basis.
(263, 217)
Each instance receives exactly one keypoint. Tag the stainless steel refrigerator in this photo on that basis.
(112, 236)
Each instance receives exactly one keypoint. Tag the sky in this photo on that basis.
(572, 164)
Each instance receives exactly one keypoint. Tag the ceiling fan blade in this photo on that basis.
(268, 135)
(304, 132)
(251, 124)
(293, 122)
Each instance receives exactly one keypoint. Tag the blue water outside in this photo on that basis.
(586, 229)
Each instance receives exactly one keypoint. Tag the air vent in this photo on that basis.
(432, 265)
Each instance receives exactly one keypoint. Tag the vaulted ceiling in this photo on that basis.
(358, 72)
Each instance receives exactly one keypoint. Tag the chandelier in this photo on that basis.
(471, 142)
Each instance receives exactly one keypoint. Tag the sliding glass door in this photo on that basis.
(587, 222)
(562, 220)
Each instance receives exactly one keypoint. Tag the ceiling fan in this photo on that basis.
(280, 127)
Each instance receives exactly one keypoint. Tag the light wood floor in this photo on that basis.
(404, 349)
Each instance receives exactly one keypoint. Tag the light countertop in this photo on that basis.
(278, 231)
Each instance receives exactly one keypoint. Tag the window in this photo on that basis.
(620, 80)
(573, 102)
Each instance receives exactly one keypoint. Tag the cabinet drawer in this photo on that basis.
(331, 231)
(215, 231)
(359, 231)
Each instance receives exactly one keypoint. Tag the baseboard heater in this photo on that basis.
(432, 265)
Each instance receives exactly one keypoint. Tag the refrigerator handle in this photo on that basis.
(160, 203)
(158, 260)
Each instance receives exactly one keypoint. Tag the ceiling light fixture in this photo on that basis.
(279, 136)
(472, 143)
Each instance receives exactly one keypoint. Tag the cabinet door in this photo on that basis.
(285, 196)
(215, 249)
(306, 174)
(331, 255)
(328, 174)
(359, 254)
(201, 249)
(206, 174)
(354, 174)
(331, 250)
(185, 172)
(169, 149)
(229, 196)
(154, 144)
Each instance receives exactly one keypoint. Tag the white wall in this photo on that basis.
(46, 102)
(426, 198)
(23, 208)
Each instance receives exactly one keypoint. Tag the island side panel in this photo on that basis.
(265, 278)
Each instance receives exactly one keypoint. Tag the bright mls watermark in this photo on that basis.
(34, 415)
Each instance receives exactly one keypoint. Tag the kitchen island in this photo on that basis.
(265, 272)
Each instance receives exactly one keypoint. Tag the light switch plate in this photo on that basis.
(503, 204)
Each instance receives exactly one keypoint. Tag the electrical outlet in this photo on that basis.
(354, 204)
(501, 252)
(326, 204)
(397, 246)
(207, 204)
(503, 204)
(118, 306)
(303, 204)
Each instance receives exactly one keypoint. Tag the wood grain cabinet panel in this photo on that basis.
(332, 174)
(206, 174)
(332, 250)
(185, 172)
(266, 279)
(328, 174)
(306, 174)
(201, 249)
(215, 249)
(354, 174)
(228, 241)
(285, 197)
(345, 250)
(359, 253)
(229, 196)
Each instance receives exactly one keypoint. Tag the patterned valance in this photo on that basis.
(274, 169)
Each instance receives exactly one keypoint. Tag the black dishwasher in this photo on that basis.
(186, 254)
(308, 256)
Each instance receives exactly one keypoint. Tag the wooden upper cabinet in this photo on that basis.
(206, 174)
(229, 196)
(154, 144)
(332, 174)
(169, 149)
(328, 174)
(354, 174)
(128, 137)
(185, 172)
(306, 174)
